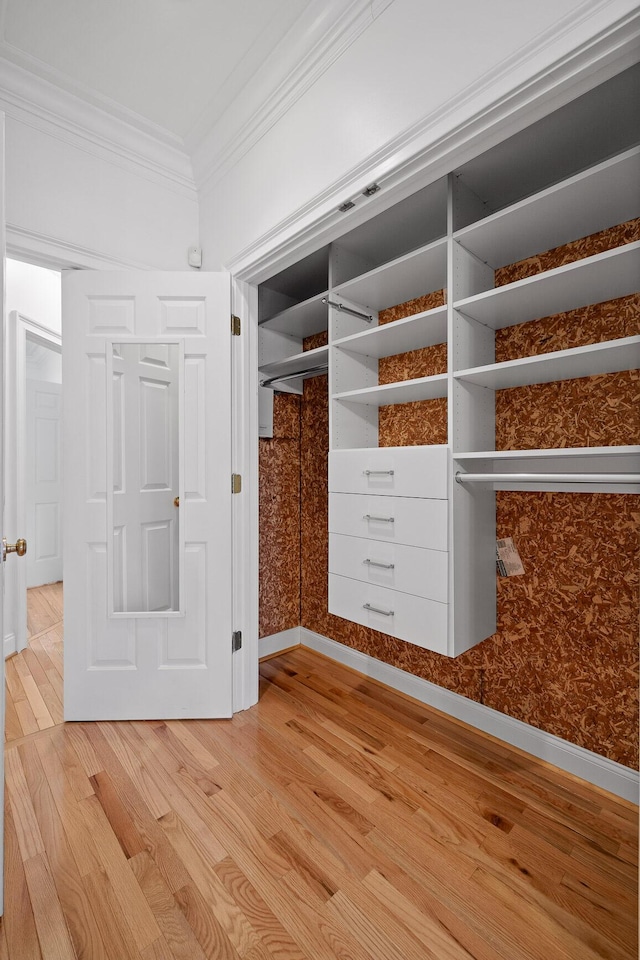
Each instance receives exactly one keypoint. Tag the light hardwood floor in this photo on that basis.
(336, 819)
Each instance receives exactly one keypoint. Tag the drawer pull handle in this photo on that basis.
(370, 516)
(378, 473)
(385, 613)
(376, 563)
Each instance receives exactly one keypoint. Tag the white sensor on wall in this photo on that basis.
(194, 256)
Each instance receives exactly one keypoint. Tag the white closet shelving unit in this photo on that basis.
(412, 551)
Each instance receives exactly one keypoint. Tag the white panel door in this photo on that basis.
(43, 481)
(143, 665)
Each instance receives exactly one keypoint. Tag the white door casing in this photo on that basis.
(3, 403)
(43, 486)
(142, 666)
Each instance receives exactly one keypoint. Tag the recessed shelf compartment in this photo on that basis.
(400, 336)
(605, 276)
(406, 278)
(301, 320)
(406, 391)
(591, 201)
(609, 357)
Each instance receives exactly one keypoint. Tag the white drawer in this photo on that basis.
(414, 619)
(396, 471)
(394, 565)
(418, 523)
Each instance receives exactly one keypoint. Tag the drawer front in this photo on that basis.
(418, 523)
(414, 619)
(409, 569)
(396, 471)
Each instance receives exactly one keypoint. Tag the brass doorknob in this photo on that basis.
(19, 547)
(176, 501)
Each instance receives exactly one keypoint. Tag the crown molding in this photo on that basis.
(315, 41)
(37, 96)
(493, 109)
(58, 254)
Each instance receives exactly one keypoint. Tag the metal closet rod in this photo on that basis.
(295, 376)
(354, 313)
(547, 477)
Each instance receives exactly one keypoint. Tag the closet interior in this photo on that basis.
(459, 367)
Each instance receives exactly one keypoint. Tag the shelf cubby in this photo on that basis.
(405, 391)
(611, 356)
(596, 279)
(406, 278)
(587, 203)
(302, 319)
(400, 336)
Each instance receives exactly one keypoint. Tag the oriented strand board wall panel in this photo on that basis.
(279, 506)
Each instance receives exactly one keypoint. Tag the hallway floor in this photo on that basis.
(336, 820)
(34, 676)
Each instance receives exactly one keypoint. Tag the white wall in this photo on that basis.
(85, 188)
(34, 292)
(419, 68)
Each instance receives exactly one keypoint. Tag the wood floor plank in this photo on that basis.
(135, 909)
(70, 890)
(53, 934)
(18, 920)
(336, 820)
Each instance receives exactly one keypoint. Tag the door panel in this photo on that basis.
(156, 664)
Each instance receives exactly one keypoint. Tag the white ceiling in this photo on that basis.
(176, 63)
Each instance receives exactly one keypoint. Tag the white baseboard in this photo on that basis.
(611, 776)
(277, 642)
(9, 645)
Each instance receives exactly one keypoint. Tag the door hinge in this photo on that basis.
(236, 641)
(235, 325)
(236, 483)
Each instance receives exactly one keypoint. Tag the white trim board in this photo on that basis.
(9, 645)
(589, 766)
(277, 643)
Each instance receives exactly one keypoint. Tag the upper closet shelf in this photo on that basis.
(301, 320)
(405, 391)
(591, 201)
(609, 357)
(406, 278)
(296, 364)
(596, 279)
(399, 336)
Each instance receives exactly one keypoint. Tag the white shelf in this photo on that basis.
(564, 453)
(301, 320)
(295, 364)
(406, 278)
(399, 336)
(605, 276)
(406, 391)
(598, 198)
(609, 357)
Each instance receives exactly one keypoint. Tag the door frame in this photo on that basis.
(244, 407)
(20, 328)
